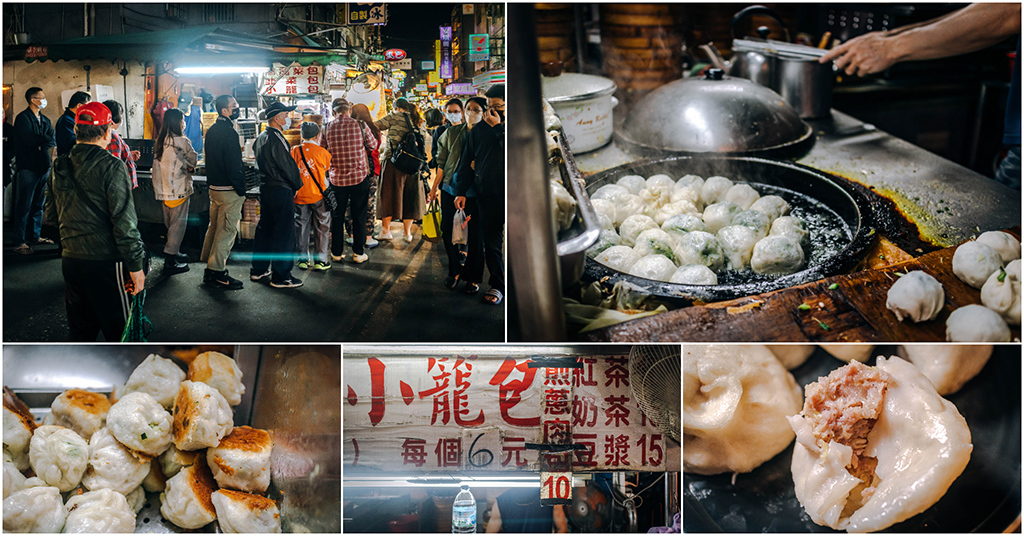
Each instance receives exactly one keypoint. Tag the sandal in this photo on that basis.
(451, 282)
(493, 297)
(471, 288)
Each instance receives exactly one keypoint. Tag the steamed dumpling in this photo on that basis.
(157, 377)
(656, 242)
(792, 227)
(633, 183)
(58, 456)
(699, 247)
(694, 274)
(626, 206)
(82, 411)
(757, 222)
(13, 479)
(604, 207)
(688, 194)
(220, 372)
(672, 209)
(947, 366)
(777, 255)
(155, 481)
(607, 239)
(1005, 244)
(1001, 293)
(714, 189)
(772, 206)
(136, 499)
(679, 225)
(719, 215)
(660, 187)
(976, 323)
(172, 460)
(917, 296)
(792, 355)
(743, 195)
(139, 422)
(655, 267)
(973, 262)
(243, 513)
(242, 460)
(696, 182)
(18, 428)
(99, 511)
(37, 509)
(738, 245)
(563, 208)
(875, 446)
(633, 226)
(735, 403)
(620, 258)
(112, 465)
(186, 501)
(849, 352)
(202, 417)
(611, 192)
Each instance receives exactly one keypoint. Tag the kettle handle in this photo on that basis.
(756, 10)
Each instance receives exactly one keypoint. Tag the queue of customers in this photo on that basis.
(325, 186)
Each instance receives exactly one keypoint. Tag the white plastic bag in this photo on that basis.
(460, 234)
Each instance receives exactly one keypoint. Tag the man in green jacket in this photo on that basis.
(91, 199)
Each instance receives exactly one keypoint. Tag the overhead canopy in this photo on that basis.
(205, 45)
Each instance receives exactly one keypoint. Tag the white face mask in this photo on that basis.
(42, 104)
(474, 117)
(454, 118)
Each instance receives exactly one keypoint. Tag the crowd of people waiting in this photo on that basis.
(329, 185)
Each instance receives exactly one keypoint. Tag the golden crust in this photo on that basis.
(208, 364)
(89, 402)
(200, 479)
(247, 439)
(253, 502)
(19, 408)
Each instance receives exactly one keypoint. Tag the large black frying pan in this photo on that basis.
(838, 214)
(985, 498)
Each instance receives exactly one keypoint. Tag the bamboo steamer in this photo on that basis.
(641, 44)
(556, 39)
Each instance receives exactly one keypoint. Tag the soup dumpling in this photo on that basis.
(917, 296)
(633, 226)
(694, 274)
(679, 225)
(743, 195)
(754, 219)
(1005, 244)
(792, 227)
(738, 245)
(719, 215)
(1001, 293)
(619, 258)
(772, 206)
(714, 190)
(699, 247)
(973, 262)
(776, 255)
(947, 366)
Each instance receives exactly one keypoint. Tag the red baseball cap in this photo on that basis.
(96, 113)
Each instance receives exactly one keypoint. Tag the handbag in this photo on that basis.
(410, 156)
(330, 201)
(432, 222)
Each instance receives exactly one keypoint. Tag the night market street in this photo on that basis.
(396, 296)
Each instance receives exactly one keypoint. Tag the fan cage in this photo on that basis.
(655, 374)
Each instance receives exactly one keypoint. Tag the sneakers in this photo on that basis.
(337, 258)
(172, 266)
(256, 276)
(290, 282)
(303, 265)
(220, 280)
(371, 243)
(408, 237)
(358, 259)
(23, 249)
(322, 266)
(348, 239)
(385, 236)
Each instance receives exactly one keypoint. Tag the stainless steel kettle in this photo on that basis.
(752, 65)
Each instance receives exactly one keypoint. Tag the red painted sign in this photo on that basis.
(394, 54)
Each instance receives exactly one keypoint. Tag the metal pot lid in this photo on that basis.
(574, 87)
(713, 114)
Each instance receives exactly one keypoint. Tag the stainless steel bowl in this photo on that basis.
(714, 114)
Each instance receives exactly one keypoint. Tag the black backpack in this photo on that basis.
(411, 154)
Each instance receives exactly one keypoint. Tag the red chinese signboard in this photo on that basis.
(394, 54)
(460, 413)
(294, 80)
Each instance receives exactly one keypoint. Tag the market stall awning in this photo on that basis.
(210, 45)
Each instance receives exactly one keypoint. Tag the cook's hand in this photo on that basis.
(135, 155)
(138, 283)
(460, 202)
(491, 117)
(870, 53)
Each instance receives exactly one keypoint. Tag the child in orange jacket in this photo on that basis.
(310, 208)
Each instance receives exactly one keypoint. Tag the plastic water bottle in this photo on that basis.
(464, 512)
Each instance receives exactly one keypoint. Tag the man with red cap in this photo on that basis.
(103, 253)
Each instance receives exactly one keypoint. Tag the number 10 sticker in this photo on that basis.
(555, 488)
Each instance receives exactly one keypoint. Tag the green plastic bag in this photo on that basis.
(138, 327)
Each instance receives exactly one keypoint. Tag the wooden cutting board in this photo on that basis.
(852, 311)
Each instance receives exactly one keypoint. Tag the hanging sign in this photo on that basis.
(460, 89)
(293, 80)
(394, 54)
(402, 64)
(459, 414)
(446, 53)
(427, 66)
(370, 13)
(479, 47)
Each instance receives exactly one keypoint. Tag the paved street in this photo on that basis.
(397, 296)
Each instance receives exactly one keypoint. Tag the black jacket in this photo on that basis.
(65, 132)
(274, 163)
(224, 157)
(485, 145)
(102, 225)
(32, 141)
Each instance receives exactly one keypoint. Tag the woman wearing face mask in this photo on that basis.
(117, 145)
(173, 162)
(400, 194)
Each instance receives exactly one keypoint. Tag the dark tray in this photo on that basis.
(985, 498)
